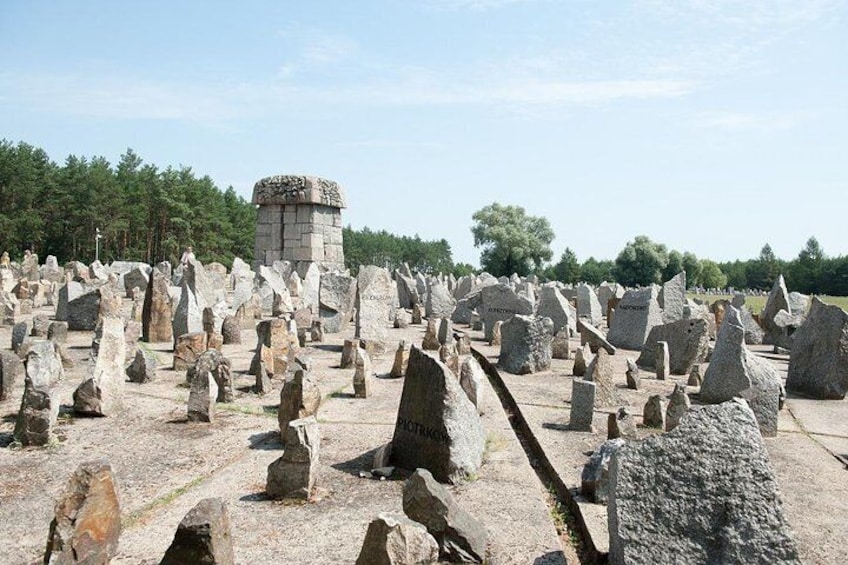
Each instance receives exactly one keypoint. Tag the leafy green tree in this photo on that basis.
(512, 241)
(567, 269)
(463, 269)
(805, 273)
(595, 272)
(674, 265)
(736, 273)
(711, 275)
(641, 262)
(692, 266)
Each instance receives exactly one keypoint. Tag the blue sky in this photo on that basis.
(713, 127)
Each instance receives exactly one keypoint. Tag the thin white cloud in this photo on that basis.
(752, 122)
(476, 5)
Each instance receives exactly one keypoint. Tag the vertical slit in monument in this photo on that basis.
(540, 463)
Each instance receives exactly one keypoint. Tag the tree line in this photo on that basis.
(514, 242)
(143, 213)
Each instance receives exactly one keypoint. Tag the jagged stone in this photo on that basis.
(621, 425)
(394, 539)
(202, 398)
(293, 475)
(653, 415)
(635, 315)
(102, 393)
(526, 344)
(594, 480)
(300, 398)
(461, 537)
(87, 518)
(471, 377)
(735, 514)
(203, 536)
(678, 407)
(601, 372)
(818, 362)
(362, 375)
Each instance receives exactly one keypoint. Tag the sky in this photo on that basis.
(710, 126)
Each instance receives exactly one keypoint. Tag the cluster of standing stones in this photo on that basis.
(701, 489)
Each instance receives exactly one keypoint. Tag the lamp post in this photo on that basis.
(97, 237)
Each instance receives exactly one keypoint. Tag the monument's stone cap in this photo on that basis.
(298, 189)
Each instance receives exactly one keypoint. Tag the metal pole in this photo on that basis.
(97, 244)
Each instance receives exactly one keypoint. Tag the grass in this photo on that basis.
(756, 303)
(163, 500)
(251, 410)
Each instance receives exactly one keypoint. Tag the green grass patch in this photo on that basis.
(756, 303)
(252, 410)
(135, 517)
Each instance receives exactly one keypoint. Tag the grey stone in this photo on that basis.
(735, 371)
(526, 344)
(636, 313)
(552, 304)
(375, 295)
(231, 330)
(653, 415)
(102, 393)
(778, 299)
(595, 338)
(203, 536)
(606, 292)
(10, 309)
(582, 357)
(678, 407)
(188, 317)
(136, 278)
(38, 413)
(143, 367)
(471, 378)
(394, 539)
(83, 311)
(58, 332)
(11, 368)
(632, 374)
(300, 398)
(157, 313)
(594, 480)
(208, 291)
(362, 375)
(588, 306)
(688, 341)
(430, 342)
(437, 426)
(213, 362)
(733, 516)
(445, 331)
(561, 345)
(461, 537)
(695, 376)
(202, 397)
(349, 353)
(601, 372)
(87, 518)
(20, 332)
(818, 362)
(672, 298)
(500, 303)
(43, 363)
(621, 425)
(293, 475)
(582, 405)
(312, 288)
(401, 360)
(661, 360)
(440, 303)
(337, 296)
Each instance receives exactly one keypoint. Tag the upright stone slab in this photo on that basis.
(202, 397)
(11, 368)
(83, 311)
(582, 405)
(156, 314)
(38, 413)
(678, 407)
(188, 317)
(394, 539)
(688, 343)
(601, 372)
(661, 361)
(203, 536)
(293, 475)
(471, 378)
(362, 375)
(374, 305)
(588, 306)
(213, 362)
(143, 367)
(561, 345)
(735, 371)
(818, 362)
(635, 315)
(437, 426)
(653, 415)
(102, 393)
(526, 344)
(499, 303)
(440, 303)
(299, 398)
(337, 297)
(87, 518)
(553, 305)
(734, 516)
(778, 299)
(673, 298)
(401, 360)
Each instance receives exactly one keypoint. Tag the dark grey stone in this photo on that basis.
(203, 536)
(526, 344)
(687, 340)
(594, 480)
(818, 362)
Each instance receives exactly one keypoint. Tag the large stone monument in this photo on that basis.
(299, 220)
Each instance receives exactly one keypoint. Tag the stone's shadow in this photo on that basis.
(180, 420)
(340, 394)
(255, 497)
(551, 558)
(10, 418)
(6, 439)
(328, 347)
(266, 441)
(557, 427)
(364, 463)
(387, 377)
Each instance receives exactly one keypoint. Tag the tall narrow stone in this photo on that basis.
(582, 405)
(293, 475)
(102, 393)
(203, 536)
(375, 295)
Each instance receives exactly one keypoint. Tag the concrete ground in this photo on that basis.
(165, 465)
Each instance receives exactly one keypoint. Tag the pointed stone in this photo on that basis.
(394, 539)
(293, 475)
(203, 536)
